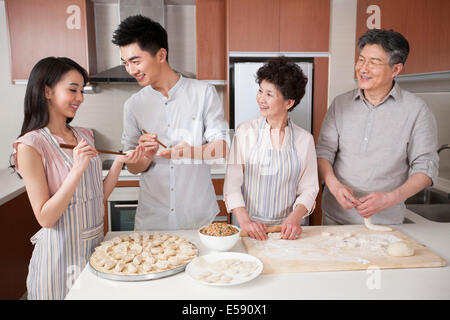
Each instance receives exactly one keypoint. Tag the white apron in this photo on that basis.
(61, 252)
(270, 180)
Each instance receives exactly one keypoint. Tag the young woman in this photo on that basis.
(64, 186)
(271, 175)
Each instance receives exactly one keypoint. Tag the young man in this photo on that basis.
(186, 115)
(377, 145)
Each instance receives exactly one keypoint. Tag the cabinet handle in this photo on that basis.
(125, 206)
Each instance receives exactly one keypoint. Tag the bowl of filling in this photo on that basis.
(219, 236)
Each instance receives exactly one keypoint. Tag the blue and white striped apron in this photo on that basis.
(270, 180)
(61, 252)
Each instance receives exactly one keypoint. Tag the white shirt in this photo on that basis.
(175, 194)
(245, 138)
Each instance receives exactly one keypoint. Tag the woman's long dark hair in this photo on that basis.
(47, 72)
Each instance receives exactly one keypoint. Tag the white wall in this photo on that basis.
(342, 47)
(11, 105)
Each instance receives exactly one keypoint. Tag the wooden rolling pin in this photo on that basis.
(268, 230)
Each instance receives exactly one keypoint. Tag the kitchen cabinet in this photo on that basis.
(211, 39)
(42, 28)
(425, 24)
(279, 25)
(254, 25)
(304, 25)
(18, 226)
(223, 214)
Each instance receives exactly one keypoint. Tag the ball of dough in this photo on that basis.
(400, 249)
(326, 234)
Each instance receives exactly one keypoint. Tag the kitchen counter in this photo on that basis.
(217, 172)
(415, 283)
(12, 185)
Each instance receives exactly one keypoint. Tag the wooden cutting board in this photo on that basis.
(362, 249)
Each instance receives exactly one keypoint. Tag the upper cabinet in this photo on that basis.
(424, 23)
(211, 39)
(279, 25)
(304, 25)
(254, 25)
(42, 28)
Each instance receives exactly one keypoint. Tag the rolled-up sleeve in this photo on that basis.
(234, 176)
(216, 127)
(328, 142)
(422, 146)
(308, 183)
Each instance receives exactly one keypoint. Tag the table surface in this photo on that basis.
(414, 283)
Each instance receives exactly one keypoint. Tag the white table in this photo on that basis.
(418, 283)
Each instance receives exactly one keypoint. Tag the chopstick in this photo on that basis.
(145, 132)
(69, 146)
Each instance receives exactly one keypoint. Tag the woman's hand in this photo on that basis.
(82, 154)
(148, 141)
(256, 230)
(179, 151)
(133, 156)
(290, 229)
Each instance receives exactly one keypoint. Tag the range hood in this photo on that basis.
(155, 10)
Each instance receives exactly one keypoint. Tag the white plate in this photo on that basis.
(196, 268)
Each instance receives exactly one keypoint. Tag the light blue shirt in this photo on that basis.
(175, 194)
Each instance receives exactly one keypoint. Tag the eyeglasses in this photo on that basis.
(371, 63)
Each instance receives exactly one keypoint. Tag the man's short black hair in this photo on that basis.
(392, 42)
(148, 34)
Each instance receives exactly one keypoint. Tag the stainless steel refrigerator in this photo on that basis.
(245, 87)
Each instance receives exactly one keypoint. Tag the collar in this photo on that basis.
(171, 90)
(395, 93)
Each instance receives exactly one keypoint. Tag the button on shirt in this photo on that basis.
(376, 148)
(175, 194)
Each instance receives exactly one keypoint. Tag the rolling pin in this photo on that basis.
(268, 230)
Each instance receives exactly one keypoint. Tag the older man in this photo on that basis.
(377, 145)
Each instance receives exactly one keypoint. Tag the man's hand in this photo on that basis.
(374, 203)
(148, 141)
(344, 195)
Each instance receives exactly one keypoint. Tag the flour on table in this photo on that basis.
(341, 246)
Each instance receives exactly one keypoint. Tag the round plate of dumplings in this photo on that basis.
(224, 268)
(142, 256)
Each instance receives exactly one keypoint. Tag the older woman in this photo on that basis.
(271, 174)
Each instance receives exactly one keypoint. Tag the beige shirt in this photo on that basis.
(245, 137)
(376, 148)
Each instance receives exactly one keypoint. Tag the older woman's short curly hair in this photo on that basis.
(286, 75)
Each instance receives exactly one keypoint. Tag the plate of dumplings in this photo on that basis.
(142, 256)
(224, 269)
